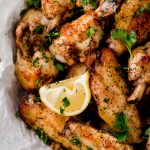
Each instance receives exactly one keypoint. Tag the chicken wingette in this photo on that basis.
(133, 16)
(110, 93)
(34, 65)
(80, 37)
(139, 71)
(69, 133)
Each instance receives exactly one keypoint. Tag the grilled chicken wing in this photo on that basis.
(133, 16)
(34, 65)
(110, 93)
(139, 71)
(82, 36)
(70, 134)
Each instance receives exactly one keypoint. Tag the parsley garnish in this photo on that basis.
(42, 135)
(62, 110)
(39, 47)
(34, 3)
(128, 38)
(106, 100)
(147, 131)
(65, 102)
(35, 61)
(45, 57)
(37, 98)
(90, 32)
(88, 148)
(37, 83)
(86, 2)
(17, 114)
(58, 65)
(75, 140)
(121, 126)
(50, 36)
(39, 29)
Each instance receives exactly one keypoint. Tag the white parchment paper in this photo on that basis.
(13, 133)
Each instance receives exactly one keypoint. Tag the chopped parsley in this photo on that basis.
(75, 140)
(106, 100)
(37, 98)
(39, 29)
(37, 82)
(58, 65)
(62, 110)
(88, 148)
(86, 2)
(42, 135)
(121, 126)
(148, 7)
(34, 3)
(17, 114)
(90, 32)
(128, 38)
(50, 36)
(45, 57)
(39, 47)
(104, 110)
(35, 61)
(65, 102)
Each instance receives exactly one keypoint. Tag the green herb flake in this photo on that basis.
(61, 110)
(39, 47)
(39, 29)
(35, 61)
(17, 114)
(147, 132)
(34, 3)
(75, 140)
(37, 98)
(90, 32)
(37, 82)
(128, 38)
(88, 148)
(104, 110)
(58, 65)
(106, 100)
(45, 57)
(50, 36)
(121, 126)
(148, 7)
(65, 102)
(42, 135)
(86, 2)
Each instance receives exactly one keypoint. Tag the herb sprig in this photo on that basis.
(34, 3)
(128, 38)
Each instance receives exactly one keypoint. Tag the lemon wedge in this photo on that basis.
(68, 97)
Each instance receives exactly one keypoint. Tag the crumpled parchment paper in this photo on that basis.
(13, 132)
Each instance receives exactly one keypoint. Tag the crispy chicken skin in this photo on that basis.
(139, 71)
(63, 130)
(57, 10)
(107, 83)
(74, 43)
(131, 19)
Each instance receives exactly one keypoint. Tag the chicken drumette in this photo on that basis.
(82, 36)
(133, 16)
(139, 71)
(71, 134)
(110, 93)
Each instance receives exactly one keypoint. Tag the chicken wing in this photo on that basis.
(80, 37)
(139, 71)
(64, 130)
(110, 93)
(133, 16)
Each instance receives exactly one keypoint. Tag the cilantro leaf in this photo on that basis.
(90, 32)
(128, 38)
